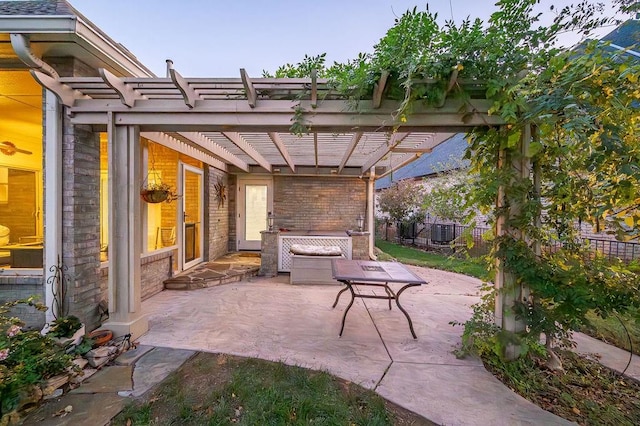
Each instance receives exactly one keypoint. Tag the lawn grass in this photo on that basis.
(609, 329)
(616, 330)
(219, 389)
(412, 256)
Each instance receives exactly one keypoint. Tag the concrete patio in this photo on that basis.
(271, 319)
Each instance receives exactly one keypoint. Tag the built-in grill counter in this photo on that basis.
(310, 238)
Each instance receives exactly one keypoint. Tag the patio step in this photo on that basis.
(228, 269)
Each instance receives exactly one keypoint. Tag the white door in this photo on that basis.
(191, 216)
(254, 204)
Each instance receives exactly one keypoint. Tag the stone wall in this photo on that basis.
(318, 203)
(360, 246)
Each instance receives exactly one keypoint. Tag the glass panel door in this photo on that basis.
(192, 215)
(254, 206)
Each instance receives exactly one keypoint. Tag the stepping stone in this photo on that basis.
(218, 266)
(132, 355)
(208, 275)
(154, 367)
(85, 410)
(110, 379)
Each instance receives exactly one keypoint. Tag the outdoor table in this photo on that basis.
(354, 273)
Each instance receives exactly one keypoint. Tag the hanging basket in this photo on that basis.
(154, 195)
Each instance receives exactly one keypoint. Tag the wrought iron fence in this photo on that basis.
(453, 237)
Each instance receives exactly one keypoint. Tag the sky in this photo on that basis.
(215, 38)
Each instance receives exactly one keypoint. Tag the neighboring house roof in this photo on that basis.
(42, 7)
(444, 157)
(55, 28)
(625, 37)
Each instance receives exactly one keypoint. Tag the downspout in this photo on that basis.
(370, 213)
(22, 47)
(52, 174)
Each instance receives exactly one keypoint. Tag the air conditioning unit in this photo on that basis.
(442, 234)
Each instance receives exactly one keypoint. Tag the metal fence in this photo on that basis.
(453, 237)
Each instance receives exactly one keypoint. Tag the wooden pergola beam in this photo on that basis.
(252, 95)
(314, 88)
(218, 151)
(355, 139)
(128, 95)
(315, 147)
(183, 148)
(411, 150)
(379, 154)
(65, 94)
(188, 94)
(378, 89)
(401, 164)
(240, 142)
(279, 143)
(275, 115)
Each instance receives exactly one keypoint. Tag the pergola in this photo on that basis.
(242, 125)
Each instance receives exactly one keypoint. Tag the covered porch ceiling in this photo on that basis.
(242, 125)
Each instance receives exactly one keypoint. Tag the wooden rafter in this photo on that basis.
(452, 82)
(65, 94)
(355, 139)
(411, 150)
(401, 164)
(314, 88)
(378, 89)
(252, 95)
(127, 94)
(180, 146)
(279, 143)
(188, 94)
(436, 139)
(379, 154)
(218, 151)
(245, 146)
(315, 147)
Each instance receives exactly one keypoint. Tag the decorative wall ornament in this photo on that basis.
(221, 192)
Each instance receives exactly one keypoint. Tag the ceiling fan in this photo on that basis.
(9, 148)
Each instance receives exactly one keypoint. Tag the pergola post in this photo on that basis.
(509, 291)
(125, 240)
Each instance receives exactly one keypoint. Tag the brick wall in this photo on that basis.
(17, 287)
(318, 203)
(81, 221)
(154, 269)
(217, 215)
(232, 198)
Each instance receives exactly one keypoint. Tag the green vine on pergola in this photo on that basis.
(571, 115)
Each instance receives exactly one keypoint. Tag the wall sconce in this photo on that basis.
(270, 218)
(360, 221)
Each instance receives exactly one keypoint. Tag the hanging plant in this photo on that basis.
(153, 189)
(157, 193)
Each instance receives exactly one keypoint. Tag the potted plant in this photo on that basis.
(157, 193)
(67, 330)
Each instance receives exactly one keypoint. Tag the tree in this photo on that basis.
(402, 202)
(569, 151)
